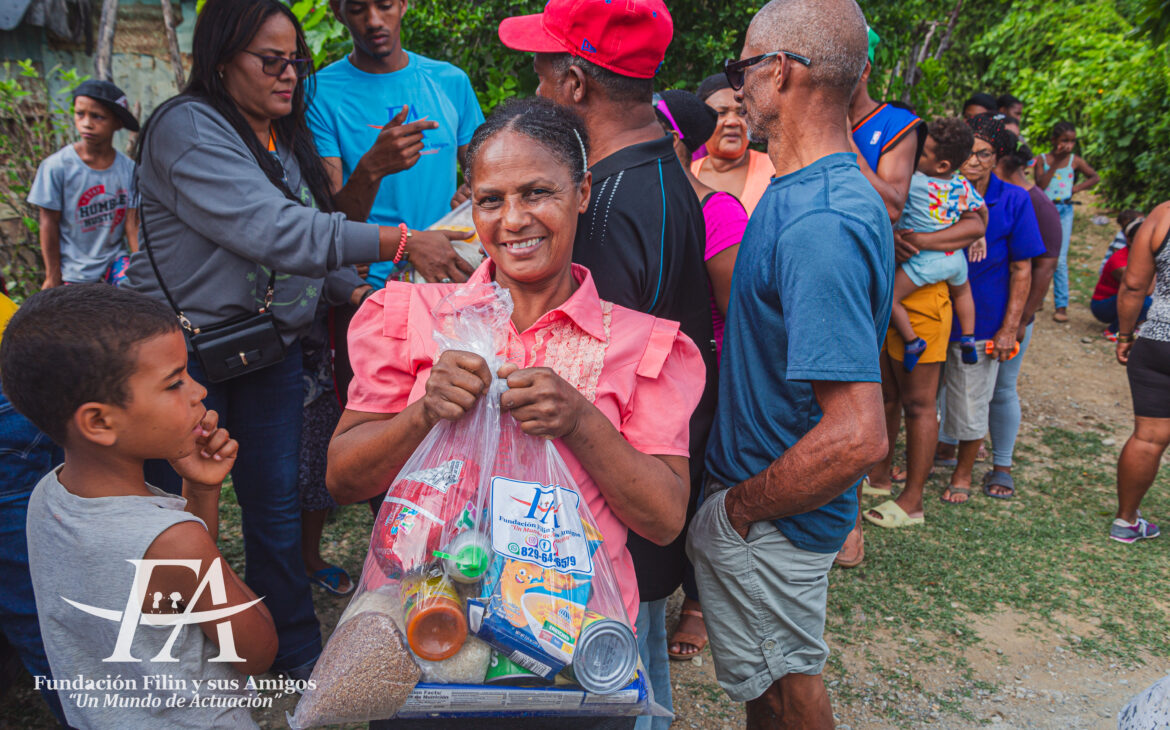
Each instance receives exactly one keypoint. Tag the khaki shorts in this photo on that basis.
(763, 601)
(929, 309)
(969, 389)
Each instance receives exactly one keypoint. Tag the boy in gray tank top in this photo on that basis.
(144, 623)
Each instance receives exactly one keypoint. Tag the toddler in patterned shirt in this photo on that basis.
(939, 197)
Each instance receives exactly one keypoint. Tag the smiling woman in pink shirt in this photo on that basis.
(614, 388)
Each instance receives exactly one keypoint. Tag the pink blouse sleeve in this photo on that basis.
(726, 221)
(380, 352)
(670, 382)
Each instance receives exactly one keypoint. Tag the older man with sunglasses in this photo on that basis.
(800, 416)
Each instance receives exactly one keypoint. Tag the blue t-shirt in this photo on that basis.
(1012, 235)
(348, 108)
(813, 285)
(881, 130)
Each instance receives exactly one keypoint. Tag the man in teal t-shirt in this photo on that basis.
(420, 112)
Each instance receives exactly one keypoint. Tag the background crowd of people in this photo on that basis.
(726, 301)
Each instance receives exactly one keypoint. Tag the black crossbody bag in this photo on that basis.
(233, 348)
(228, 349)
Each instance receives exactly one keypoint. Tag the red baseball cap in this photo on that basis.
(628, 37)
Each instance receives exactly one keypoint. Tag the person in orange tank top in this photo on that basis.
(730, 165)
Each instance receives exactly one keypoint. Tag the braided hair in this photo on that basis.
(556, 128)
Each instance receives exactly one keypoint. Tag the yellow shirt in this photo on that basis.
(7, 309)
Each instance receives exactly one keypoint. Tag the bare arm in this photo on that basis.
(892, 178)
(252, 630)
(1139, 273)
(1041, 173)
(132, 229)
(369, 449)
(719, 269)
(962, 234)
(430, 251)
(647, 493)
(396, 148)
(50, 236)
(1020, 283)
(1090, 175)
(203, 472)
(848, 440)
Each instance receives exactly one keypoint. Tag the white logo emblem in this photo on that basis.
(132, 617)
(877, 135)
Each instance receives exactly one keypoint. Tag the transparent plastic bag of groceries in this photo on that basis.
(483, 540)
(368, 667)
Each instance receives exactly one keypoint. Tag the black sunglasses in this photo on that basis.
(734, 70)
(275, 65)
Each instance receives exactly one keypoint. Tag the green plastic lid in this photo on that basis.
(472, 560)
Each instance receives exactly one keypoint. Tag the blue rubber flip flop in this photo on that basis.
(995, 478)
(330, 579)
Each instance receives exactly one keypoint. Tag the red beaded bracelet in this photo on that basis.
(405, 234)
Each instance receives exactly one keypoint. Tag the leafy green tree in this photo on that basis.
(1100, 64)
(1081, 62)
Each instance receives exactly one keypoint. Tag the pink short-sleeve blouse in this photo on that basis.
(641, 372)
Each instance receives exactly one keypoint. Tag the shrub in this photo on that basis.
(36, 123)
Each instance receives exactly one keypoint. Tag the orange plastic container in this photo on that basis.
(990, 348)
(435, 624)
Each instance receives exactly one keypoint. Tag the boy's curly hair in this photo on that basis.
(954, 140)
(75, 344)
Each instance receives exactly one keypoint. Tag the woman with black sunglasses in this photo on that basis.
(239, 222)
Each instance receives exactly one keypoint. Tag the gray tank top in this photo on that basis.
(1157, 326)
(78, 550)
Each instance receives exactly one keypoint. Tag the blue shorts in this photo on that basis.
(931, 267)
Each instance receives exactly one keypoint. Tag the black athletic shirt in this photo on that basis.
(643, 238)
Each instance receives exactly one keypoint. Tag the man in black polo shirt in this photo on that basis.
(643, 235)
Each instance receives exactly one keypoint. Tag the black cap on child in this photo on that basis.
(111, 97)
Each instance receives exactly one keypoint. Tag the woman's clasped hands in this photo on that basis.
(542, 402)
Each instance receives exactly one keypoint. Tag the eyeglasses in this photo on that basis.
(734, 70)
(982, 155)
(275, 65)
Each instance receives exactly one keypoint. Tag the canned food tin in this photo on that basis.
(606, 655)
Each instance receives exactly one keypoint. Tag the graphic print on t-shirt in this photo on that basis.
(96, 208)
(949, 199)
(430, 144)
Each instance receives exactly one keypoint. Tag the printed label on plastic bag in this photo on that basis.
(540, 525)
(441, 477)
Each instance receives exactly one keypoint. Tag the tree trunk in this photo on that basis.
(105, 45)
(948, 37)
(911, 74)
(173, 44)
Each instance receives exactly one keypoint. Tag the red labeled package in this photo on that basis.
(418, 506)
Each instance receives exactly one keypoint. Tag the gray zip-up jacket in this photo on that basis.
(218, 227)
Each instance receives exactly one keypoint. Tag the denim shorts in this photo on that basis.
(763, 601)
